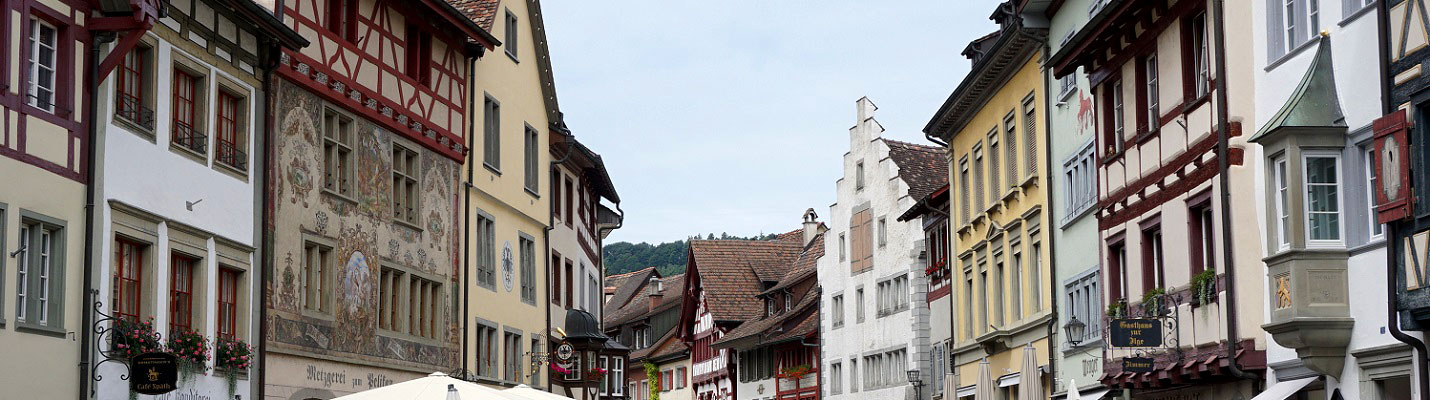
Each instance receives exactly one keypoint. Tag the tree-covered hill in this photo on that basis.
(668, 257)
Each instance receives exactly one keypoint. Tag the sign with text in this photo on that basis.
(153, 373)
(1137, 364)
(1136, 333)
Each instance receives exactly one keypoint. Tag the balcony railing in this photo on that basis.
(229, 154)
(185, 136)
(132, 109)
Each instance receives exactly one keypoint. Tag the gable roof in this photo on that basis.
(731, 272)
(483, 12)
(626, 285)
(664, 348)
(801, 269)
(922, 167)
(638, 305)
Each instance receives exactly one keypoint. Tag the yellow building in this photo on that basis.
(992, 126)
(507, 197)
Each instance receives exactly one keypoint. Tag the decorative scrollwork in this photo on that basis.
(104, 342)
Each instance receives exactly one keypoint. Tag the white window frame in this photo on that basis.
(1281, 189)
(1340, 240)
(37, 26)
(1154, 104)
(1375, 230)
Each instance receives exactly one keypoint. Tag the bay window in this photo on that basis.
(1323, 199)
(1282, 203)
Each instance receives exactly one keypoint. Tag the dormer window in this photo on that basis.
(789, 301)
(769, 306)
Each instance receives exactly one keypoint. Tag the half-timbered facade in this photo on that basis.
(642, 315)
(370, 133)
(180, 250)
(44, 146)
(1172, 97)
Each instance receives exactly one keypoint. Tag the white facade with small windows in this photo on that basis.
(1315, 192)
(873, 317)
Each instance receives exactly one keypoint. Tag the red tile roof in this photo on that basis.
(731, 272)
(802, 269)
(483, 12)
(639, 306)
(924, 168)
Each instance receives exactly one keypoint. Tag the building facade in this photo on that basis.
(178, 256)
(993, 128)
(1072, 164)
(642, 315)
(932, 213)
(1172, 99)
(45, 145)
(873, 315)
(370, 135)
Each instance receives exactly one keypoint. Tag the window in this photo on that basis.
(131, 94)
(1323, 198)
(418, 53)
(642, 337)
(486, 346)
(853, 375)
(556, 195)
(127, 287)
(963, 190)
(883, 232)
(405, 175)
(1080, 174)
(1015, 282)
(555, 278)
(317, 278)
(1085, 304)
(1197, 73)
(1149, 96)
(44, 45)
(893, 295)
(423, 306)
(1010, 134)
(836, 378)
(1349, 7)
(1283, 206)
(528, 269)
(967, 306)
(1203, 251)
(40, 283)
(532, 157)
(681, 377)
(1035, 276)
(1067, 85)
(997, 286)
(230, 143)
(842, 249)
(570, 189)
(228, 281)
(1153, 272)
(995, 181)
(1292, 23)
(337, 153)
(181, 293)
(509, 42)
(511, 354)
(1116, 270)
(342, 19)
(618, 376)
(1030, 134)
(859, 305)
(859, 175)
(885, 369)
(666, 380)
(188, 128)
(861, 242)
(1113, 134)
(757, 364)
(491, 134)
(837, 311)
(1377, 230)
(769, 306)
(985, 290)
(570, 281)
(486, 252)
(978, 198)
(389, 306)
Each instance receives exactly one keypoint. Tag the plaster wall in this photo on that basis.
(886, 195)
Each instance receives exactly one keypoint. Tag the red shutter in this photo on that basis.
(1391, 142)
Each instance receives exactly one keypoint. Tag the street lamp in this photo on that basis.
(1075, 330)
(917, 383)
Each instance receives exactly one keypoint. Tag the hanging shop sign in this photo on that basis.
(153, 373)
(1137, 364)
(1139, 332)
(564, 352)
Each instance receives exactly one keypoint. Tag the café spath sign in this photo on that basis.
(1136, 332)
(154, 373)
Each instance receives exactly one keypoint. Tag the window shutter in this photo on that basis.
(1276, 27)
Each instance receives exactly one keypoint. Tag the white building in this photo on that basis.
(1317, 93)
(180, 188)
(874, 316)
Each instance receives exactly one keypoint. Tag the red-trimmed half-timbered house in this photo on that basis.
(368, 141)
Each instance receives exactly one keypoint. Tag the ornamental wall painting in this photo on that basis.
(362, 234)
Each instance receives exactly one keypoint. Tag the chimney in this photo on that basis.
(653, 287)
(811, 226)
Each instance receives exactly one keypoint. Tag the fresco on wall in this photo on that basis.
(363, 234)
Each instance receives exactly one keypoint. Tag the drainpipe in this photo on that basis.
(266, 202)
(551, 222)
(91, 110)
(1223, 167)
(1392, 321)
(1049, 237)
(467, 222)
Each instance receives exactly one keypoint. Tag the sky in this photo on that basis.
(733, 116)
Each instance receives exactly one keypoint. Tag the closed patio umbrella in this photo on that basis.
(1031, 385)
(1072, 390)
(985, 386)
(437, 386)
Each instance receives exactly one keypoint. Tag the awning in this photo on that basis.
(1009, 380)
(1284, 389)
(966, 391)
(1095, 395)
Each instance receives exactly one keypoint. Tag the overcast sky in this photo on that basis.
(732, 116)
